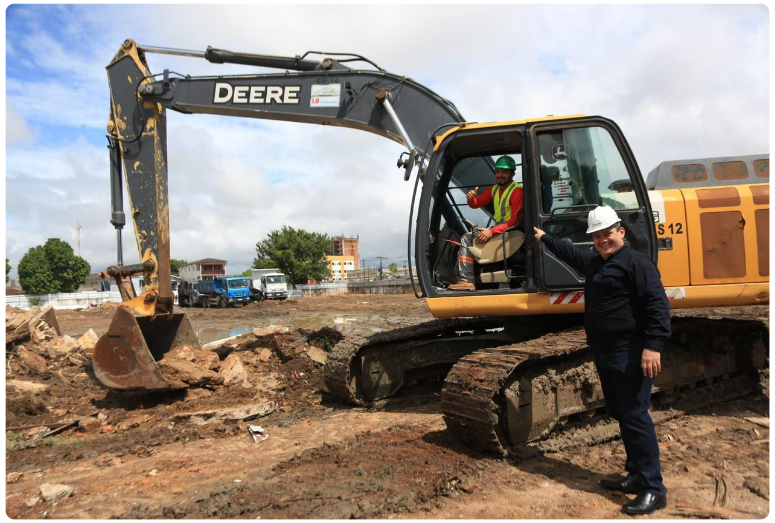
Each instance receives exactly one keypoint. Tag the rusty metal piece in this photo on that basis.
(125, 358)
(129, 270)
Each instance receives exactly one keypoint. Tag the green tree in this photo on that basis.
(264, 263)
(175, 266)
(301, 255)
(248, 273)
(51, 268)
(7, 270)
(393, 268)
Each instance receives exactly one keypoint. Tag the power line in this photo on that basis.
(380, 258)
(78, 237)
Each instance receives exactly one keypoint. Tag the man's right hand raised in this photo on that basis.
(470, 195)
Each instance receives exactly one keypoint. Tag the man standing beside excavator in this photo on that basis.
(506, 197)
(627, 320)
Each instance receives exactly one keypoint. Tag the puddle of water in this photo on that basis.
(209, 334)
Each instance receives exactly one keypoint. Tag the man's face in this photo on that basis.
(608, 241)
(503, 176)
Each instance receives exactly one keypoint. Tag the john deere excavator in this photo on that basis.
(515, 359)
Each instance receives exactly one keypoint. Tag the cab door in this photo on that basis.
(580, 164)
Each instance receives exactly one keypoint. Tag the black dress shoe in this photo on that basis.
(628, 485)
(645, 503)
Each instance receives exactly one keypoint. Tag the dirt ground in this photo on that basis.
(190, 455)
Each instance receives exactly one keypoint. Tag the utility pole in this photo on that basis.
(380, 258)
(78, 237)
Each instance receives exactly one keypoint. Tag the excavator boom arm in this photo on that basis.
(375, 101)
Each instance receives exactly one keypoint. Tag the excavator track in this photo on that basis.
(500, 398)
(342, 372)
(361, 369)
(471, 397)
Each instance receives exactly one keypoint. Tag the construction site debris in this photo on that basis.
(54, 492)
(257, 431)
(19, 325)
(397, 457)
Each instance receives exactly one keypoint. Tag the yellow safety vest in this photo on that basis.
(501, 203)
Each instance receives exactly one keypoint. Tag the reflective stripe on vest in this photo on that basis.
(501, 203)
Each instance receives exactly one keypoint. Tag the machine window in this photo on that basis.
(761, 168)
(692, 173)
(581, 168)
(730, 171)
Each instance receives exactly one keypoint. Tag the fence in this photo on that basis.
(322, 289)
(82, 300)
(402, 286)
(64, 300)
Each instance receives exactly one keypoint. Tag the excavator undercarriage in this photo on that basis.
(514, 385)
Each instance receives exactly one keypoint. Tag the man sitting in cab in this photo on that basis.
(506, 197)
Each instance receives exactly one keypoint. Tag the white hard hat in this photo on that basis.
(601, 218)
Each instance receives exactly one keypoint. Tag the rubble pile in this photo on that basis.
(51, 387)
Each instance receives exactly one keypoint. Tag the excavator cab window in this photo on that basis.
(581, 167)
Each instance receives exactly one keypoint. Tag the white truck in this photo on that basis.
(270, 284)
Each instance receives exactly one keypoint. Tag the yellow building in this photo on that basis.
(346, 246)
(339, 265)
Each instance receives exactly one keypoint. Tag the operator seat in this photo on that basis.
(494, 252)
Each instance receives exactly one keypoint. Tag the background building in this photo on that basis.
(342, 246)
(340, 265)
(205, 269)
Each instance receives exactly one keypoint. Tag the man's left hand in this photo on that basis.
(483, 236)
(651, 363)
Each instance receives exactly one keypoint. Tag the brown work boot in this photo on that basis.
(462, 285)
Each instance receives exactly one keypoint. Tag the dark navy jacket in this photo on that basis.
(625, 305)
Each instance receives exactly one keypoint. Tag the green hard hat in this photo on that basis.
(506, 162)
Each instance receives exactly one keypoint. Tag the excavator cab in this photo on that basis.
(566, 166)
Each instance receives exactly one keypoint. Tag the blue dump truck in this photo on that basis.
(220, 292)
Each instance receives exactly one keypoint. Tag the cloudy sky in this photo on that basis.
(681, 81)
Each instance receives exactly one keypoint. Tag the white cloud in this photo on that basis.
(16, 128)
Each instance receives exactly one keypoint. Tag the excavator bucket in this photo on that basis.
(125, 358)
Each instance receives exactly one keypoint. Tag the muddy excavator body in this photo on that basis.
(515, 360)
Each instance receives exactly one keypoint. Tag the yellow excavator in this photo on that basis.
(514, 358)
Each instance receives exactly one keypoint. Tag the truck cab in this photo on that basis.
(220, 292)
(270, 284)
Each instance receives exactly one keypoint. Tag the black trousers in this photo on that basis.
(627, 395)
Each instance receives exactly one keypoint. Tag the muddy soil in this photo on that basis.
(189, 454)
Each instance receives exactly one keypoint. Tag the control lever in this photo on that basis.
(471, 225)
